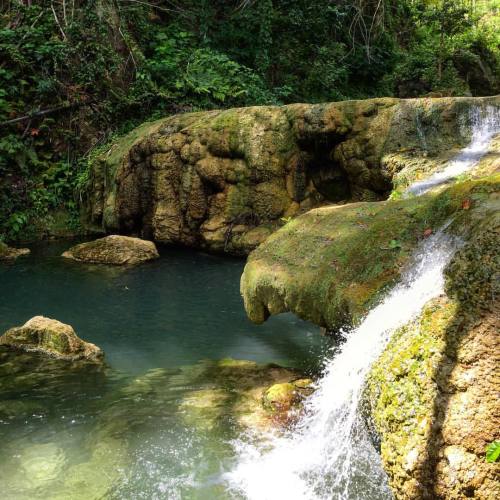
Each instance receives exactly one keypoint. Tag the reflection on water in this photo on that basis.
(155, 421)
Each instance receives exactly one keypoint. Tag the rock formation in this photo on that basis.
(114, 249)
(9, 253)
(433, 394)
(51, 337)
(223, 180)
(329, 265)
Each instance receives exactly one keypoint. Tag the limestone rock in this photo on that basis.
(433, 394)
(208, 179)
(329, 265)
(9, 253)
(114, 249)
(50, 337)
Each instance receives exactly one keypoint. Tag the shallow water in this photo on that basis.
(121, 431)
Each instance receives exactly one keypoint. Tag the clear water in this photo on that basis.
(71, 431)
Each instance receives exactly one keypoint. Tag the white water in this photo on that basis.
(329, 455)
(485, 124)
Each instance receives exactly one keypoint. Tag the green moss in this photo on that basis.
(428, 360)
(332, 263)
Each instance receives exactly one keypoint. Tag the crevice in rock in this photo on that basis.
(327, 175)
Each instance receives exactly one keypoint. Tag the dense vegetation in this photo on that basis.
(75, 72)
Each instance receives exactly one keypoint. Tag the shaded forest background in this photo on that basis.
(76, 73)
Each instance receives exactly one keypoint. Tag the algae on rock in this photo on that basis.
(222, 180)
(330, 264)
(433, 394)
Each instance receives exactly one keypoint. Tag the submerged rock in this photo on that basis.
(9, 253)
(256, 397)
(222, 180)
(50, 337)
(114, 249)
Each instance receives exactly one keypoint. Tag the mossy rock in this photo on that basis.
(331, 264)
(51, 337)
(190, 178)
(114, 249)
(432, 396)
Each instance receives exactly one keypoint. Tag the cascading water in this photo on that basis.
(329, 454)
(485, 124)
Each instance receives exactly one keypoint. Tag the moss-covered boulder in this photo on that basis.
(433, 394)
(51, 337)
(222, 180)
(287, 396)
(9, 253)
(115, 250)
(330, 264)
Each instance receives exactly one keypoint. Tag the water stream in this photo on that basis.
(329, 455)
(485, 124)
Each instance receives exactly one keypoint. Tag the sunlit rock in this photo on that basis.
(224, 179)
(114, 249)
(331, 264)
(51, 337)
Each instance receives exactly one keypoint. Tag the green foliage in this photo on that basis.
(202, 76)
(493, 452)
(104, 66)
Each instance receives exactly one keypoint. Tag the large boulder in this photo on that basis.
(223, 180)
(114, 249)
(51, 337)
(9, 253)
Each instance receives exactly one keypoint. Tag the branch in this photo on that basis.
(36, 114)
(57, 20)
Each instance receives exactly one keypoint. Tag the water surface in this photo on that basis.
(119, 431)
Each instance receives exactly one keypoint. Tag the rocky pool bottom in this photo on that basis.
(160, 418)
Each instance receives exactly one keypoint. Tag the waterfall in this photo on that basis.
(329, 454)
(485, 124)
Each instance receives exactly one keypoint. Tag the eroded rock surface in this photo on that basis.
(222, 180)
(50, 337)
(9, 253)
(114, 249)
(433, 394)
